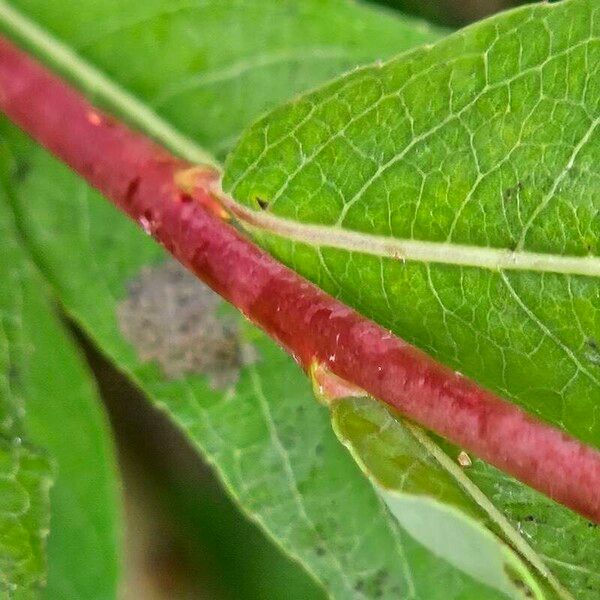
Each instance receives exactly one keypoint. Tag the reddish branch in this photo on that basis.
(144, 181)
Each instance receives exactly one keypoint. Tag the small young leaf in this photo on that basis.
(423, 482)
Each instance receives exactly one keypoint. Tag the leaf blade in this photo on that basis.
(465, 165)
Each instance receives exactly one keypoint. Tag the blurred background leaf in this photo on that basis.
(51, 416)
(217, 65)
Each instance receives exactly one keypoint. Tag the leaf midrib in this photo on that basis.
(406, 249)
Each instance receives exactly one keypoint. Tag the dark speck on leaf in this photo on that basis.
(21, 170)
(512, 192)
(14, 375)
(263, 204)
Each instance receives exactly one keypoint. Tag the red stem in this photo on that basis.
(142, 180)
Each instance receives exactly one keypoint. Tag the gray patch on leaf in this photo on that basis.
(174, 319)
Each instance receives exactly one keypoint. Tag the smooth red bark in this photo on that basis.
(145, 182)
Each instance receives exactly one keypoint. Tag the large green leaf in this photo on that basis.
(48, 401)
(452, 194)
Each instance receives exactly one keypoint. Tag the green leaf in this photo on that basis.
(48, 401)
(451, 194)
(25, 479)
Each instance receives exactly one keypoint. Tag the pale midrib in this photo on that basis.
(495, 259)
(512, 536)
(106, 90)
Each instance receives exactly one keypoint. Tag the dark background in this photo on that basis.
(451, 13)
